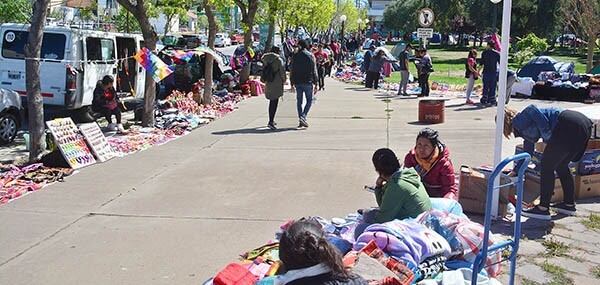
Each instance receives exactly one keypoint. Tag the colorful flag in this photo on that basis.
(153, 64)
(180, 56)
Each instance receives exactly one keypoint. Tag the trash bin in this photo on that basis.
(431, 111)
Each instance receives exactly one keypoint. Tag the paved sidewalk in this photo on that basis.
(177, 213)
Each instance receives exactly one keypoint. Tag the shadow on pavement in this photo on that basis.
(417, 123)
(259, 130)
(532, 229)
(474, 108)
(359, 89)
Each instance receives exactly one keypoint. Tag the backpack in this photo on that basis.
(268, 73)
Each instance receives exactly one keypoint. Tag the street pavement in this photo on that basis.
(177, 213)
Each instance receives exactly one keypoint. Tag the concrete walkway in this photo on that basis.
(177, 213)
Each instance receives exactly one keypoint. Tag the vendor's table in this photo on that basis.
(512, 244)
(561, 93)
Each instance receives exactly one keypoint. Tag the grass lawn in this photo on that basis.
(449, 65)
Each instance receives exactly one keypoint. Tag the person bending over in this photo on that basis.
(431, 159)
(566, 134)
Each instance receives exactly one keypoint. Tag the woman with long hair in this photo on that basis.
(309, 259)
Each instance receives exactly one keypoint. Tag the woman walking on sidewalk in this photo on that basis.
(566, 134)
(471, 73)
(274, 78)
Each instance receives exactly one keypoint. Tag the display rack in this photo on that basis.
(71, 143)
(97, 141)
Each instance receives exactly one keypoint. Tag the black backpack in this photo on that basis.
(268, 73)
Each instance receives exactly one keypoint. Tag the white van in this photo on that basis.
(73, 60)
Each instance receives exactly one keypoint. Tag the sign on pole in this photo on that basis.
(425, 33)
(426, 17)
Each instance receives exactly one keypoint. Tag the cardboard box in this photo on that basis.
(589, 163)
(587, 186)
(535, 165)
(473, 191)
(532, 189)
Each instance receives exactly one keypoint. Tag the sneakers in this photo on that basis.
(470, 102)
(112, 127)
(537, 213)
(564, 209)
(272, 126)
(303, 123)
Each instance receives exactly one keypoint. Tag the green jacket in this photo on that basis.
(404, 196)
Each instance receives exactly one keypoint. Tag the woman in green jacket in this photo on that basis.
(399, 192)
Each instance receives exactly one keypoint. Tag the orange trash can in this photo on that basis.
(431, 111)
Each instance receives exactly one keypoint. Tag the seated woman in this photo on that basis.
(398, 191)
(107, 102)
(431, 159)
(310, 259)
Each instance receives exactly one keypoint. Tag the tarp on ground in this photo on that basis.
(595, 70)
(545, 63)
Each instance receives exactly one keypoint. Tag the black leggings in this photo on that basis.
(424, 84)
(272, 109)
(321, 73)
(567, 144)
(372, 80)
(108, 115)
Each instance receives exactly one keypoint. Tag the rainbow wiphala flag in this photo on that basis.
(153, 64)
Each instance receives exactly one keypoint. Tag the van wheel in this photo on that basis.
(8, 128)
(82, 115)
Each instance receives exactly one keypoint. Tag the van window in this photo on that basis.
(53, 45)
(100, 49)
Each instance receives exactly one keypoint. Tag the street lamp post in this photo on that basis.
(495, 16)
(343, 19)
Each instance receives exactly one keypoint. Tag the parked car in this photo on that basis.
(10, 115)
(222, 40)
(190, 41)
(204, 40)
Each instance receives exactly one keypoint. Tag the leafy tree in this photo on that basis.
(210, 8)
(15, 11)
(125, 22)
(88, 13)
(583, 16)
(522, 56)
(171, 9)
(402, 15)
(139, 9)
(533, 43)
(248, 8)
(35, 101)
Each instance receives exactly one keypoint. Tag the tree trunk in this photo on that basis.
(150, 38)
(35, 101)
(590, 52)
(167, 24)
(271, 35)
(208, 67)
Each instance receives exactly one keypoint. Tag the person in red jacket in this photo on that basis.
(431, 159)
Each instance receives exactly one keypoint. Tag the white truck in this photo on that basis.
(72, 61)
